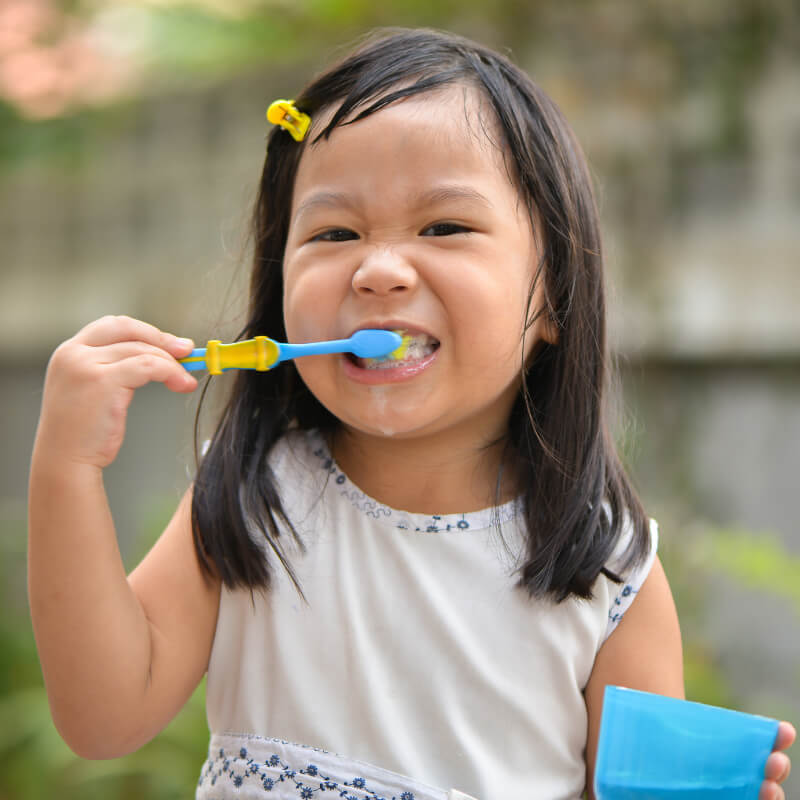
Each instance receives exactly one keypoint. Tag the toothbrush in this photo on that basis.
(262, 353)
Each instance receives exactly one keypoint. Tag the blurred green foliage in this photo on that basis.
(35, 764)
(755, 562)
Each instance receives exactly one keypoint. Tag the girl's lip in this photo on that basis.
(373, 377)
(393, 325)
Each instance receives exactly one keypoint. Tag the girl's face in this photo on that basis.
(408, 220)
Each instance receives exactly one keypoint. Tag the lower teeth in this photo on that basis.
(375, 363)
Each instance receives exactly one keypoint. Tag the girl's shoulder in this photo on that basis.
(632, 575)
(620, 562)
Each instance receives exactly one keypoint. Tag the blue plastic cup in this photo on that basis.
(653, 747)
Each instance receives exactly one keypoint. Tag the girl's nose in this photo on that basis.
(384, 272)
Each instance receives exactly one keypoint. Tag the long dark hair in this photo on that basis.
(576, 497)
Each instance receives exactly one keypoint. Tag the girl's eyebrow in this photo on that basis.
(324, 200)
(451, 193)
(447, 193)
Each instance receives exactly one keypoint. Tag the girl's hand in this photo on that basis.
(90, 382)
(778, 764)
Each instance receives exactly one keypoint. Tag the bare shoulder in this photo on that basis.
(181, 605)
(644, 652)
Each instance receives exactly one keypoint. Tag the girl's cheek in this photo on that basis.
(309, 306)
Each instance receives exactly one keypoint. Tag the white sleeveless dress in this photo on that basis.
(414, 669)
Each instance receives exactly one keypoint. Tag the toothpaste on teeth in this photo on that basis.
(413, 348)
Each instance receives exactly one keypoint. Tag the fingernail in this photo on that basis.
(184, 342)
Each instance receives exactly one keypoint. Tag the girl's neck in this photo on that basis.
(422, 477)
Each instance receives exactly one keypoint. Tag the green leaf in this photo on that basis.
(758, 561)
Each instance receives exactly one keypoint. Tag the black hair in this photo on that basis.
(576, 497)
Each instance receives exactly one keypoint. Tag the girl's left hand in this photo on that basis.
(778, 764)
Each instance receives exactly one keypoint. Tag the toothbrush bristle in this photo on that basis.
(399, 353)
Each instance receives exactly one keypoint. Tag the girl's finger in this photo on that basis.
(174, 376)
(778, 767)
(111, 329)
(111, 353)
(137, 370)
(771, 791)
(786, 736)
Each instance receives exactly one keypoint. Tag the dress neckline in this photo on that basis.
(338, 481)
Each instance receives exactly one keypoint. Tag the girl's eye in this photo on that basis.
(444, 229)
(335, 235)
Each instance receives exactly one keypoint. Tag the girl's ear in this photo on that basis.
(542, 331)
(542, 319)
(549, 327)
(543, 324)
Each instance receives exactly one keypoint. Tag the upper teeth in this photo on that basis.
(414, 348)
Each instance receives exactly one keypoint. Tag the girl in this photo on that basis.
(406, 579)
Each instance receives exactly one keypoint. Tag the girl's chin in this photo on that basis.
(380, 421)
(378, 418)
(388, 429)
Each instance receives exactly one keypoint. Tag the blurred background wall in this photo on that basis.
(131, 139)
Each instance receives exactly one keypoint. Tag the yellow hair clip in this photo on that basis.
(286, 114)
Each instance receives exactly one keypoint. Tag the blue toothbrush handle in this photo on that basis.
(364, 343)
(195, 361)
(289, 351)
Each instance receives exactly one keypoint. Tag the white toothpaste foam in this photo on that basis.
(416, 348)
(381, 400)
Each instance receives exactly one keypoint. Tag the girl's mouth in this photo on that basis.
(415, 348)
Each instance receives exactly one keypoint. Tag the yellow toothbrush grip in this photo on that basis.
(212, 357)
(267, 353)
(260, 354)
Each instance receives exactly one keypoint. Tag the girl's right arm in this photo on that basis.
(119, 656)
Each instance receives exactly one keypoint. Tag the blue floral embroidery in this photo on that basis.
(372, 508)
(614, 616)
(366, 504)
(461, 525)
(240, 768)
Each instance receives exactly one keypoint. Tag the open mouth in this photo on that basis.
(414, 348)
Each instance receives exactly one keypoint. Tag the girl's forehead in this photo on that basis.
(456, 110)
(449, 133)
(437, 143)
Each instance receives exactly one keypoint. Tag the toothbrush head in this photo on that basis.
(400, 353)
